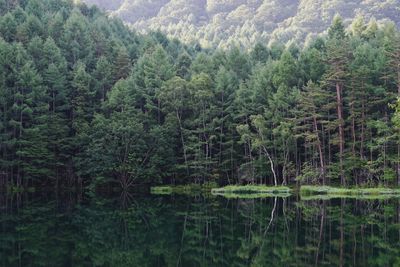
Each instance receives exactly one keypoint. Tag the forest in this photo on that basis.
(226, 23)
(87, 102)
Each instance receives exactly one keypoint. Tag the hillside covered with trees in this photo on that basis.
(85, 101)
(216, 23)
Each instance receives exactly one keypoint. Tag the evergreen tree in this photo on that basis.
(75, 39)
(8, 27)
(122, 65)
(81, 110)
(103, 77)
(337, 60)
(184, 62)
(176, 101)
(32, 152)
(313, 107)
(260, 53)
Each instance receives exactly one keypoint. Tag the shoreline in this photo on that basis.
(306, 192)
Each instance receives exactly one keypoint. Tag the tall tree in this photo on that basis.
(32, 148)
(337, 60)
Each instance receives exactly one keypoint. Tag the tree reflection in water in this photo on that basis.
(131, 230)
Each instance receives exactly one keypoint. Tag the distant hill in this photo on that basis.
(218, 23)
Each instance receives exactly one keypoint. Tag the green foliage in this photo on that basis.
(229, 23)
(85, 101)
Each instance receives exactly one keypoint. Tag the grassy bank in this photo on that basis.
(307, 192)
(251, 189)
(332, 192)
(358, 197)
(252, 195)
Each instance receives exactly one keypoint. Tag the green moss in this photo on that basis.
(333, 192)
(251, 189)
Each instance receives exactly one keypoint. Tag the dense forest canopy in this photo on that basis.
(216, 23)
(86, 101)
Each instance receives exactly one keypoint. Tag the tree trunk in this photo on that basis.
(398, 164)
(339, 101)
(321, 156)
(398, 146)
(353, 122)
(182, 140)
(222, 128)
(272, 165)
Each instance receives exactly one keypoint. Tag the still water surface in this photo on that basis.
(128, 230)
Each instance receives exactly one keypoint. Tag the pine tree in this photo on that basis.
(312, 64)
(103, 77)
(203, 135)
(81, 98)
(152, 70)
(225, 87)
(183, 65)
(337, 60)
(58, 130)
(6, 102)
(8, 27)
(32, 148)
(392, 73)
(75, 39)
(313, 106)
(260, 53)
(176, 100)
(122, 65)
(286, 71)
(3, 7)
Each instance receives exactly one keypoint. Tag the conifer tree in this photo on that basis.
(122, 65)
(337, 60)
(8, 27)
(32, 150)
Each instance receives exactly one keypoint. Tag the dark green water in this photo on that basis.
(67, 230)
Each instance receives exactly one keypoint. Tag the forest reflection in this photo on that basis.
(131, 230)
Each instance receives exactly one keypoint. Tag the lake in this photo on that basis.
(41, 229)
